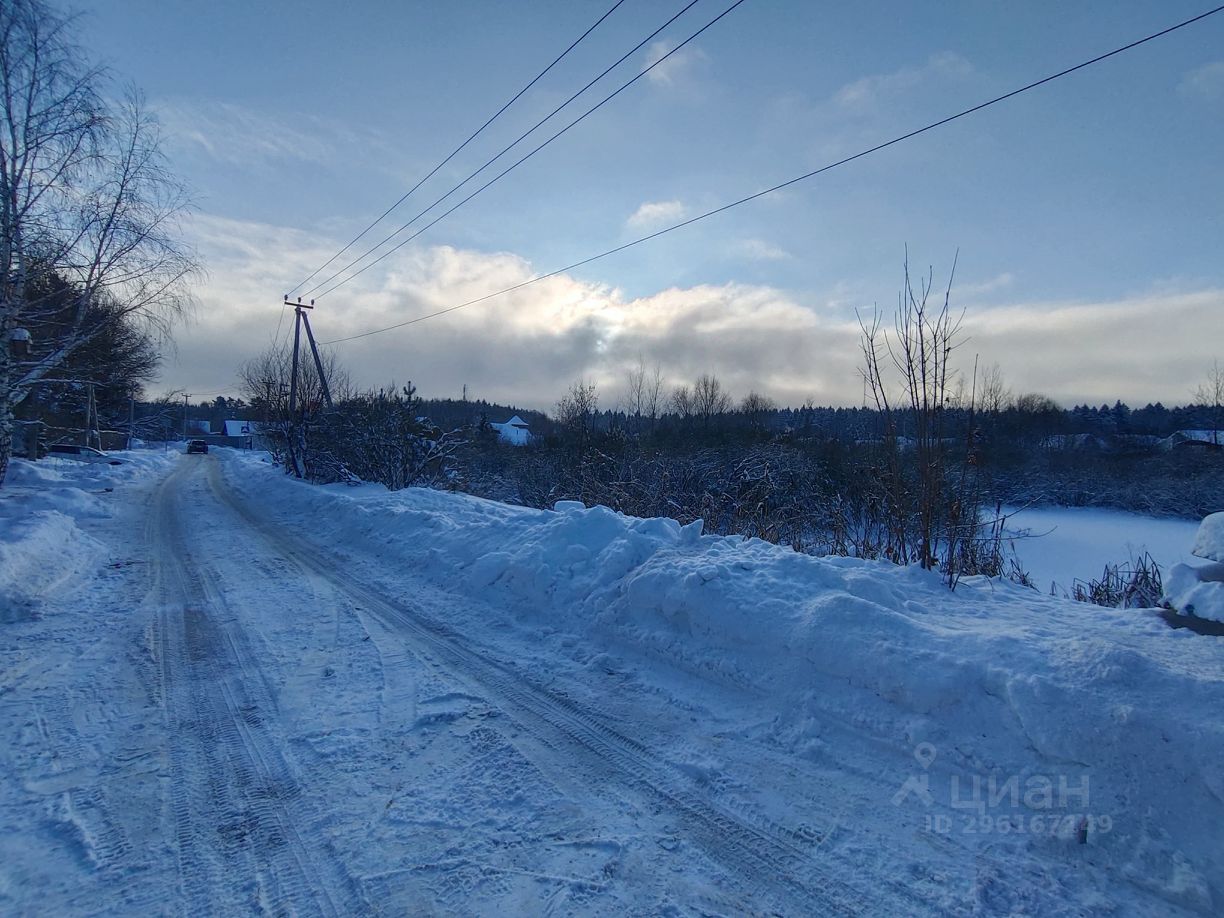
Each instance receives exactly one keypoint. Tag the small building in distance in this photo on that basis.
(514, 431)
(1194, 439)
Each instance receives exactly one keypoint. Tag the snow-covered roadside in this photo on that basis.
(993, 682)
(79, 743)
(41, 544)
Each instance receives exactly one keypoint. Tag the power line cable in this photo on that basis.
(434, 171)
(279, 322)
(523, 136)
(799, 178)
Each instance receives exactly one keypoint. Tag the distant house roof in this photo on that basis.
(1201, 438)
(514, 431)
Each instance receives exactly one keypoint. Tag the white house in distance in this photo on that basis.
(514, 431)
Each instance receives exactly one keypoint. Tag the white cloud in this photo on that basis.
(869, 90)
(655, 214)
(237, 136)
(981, 288)
(1140, 349)
(234, 134)
(759, 250)
(677, 69)
(1206, 81)
(527, 346)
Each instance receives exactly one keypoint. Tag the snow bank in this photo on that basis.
(1209, 540)
(999, 679)
(41, 545)
(1198, 590)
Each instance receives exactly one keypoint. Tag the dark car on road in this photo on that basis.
(197, 446)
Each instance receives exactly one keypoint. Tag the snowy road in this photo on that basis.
(229, 717)
(242, 829)
(751, 860)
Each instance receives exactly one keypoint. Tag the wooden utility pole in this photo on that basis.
(295, 453)
(297, 440)
(185, 397)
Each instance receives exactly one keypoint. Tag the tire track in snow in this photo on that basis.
(234, 798)
(781, 866)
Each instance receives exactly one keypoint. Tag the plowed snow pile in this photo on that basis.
(40, 543)
(1119, 711)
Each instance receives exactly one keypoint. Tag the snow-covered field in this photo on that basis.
(1059, 545)
(248, 693)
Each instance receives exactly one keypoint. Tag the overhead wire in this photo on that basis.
(792, 181)
(455, 152)
(526, 134)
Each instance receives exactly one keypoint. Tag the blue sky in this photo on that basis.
(1089, 214)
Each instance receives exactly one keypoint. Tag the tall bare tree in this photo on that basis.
(918, 356)
(993, 394)
(643, 397)
(682, 402)
(633, 401)
(1210, 395)
(84, 193)
(757, 408)
(652, 395)
(264, 380)
(710, 398)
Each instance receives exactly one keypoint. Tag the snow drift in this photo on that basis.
(1198, 589)
(40, 543)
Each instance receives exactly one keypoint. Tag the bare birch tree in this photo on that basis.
(633, 402)
(643, 398)
(85, 194)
